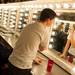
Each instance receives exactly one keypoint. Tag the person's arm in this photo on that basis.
(38, 60)
(41, 48)
(65, 49)
(44, 43)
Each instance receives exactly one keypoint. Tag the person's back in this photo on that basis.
(60, 41)
(60, 38)
(26, 48)
(34, 37)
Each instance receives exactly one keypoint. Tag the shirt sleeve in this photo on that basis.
(45, 42)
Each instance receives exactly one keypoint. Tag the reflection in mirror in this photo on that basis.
(59, 38)
(60, 34)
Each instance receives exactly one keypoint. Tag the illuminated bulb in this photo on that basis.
(13, 13)
(51, 40)
(35, 11)
(20, 18)
(13, 17)
(19, 26)
(5, 15)
(22, 10)
(55, 26)
(34, 16)
(23, 6)
(20, 22)
(73, 5)
(58, 14)
(50, 46)
(56, 19)
(36, 6)
(5, 12)
(25, 20)
(27, 9)
(24, 25)
(45, 6)
(40, 6)
(11, 26)
(51, 6)
(21, 14)
(65, 5)
(58, 6)
(12, 23)
(53, 33)
(13, 9)
(26, 14)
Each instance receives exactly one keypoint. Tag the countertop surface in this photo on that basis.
(63, 63)
(52, 54)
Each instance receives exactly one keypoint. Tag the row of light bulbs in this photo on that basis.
(12, 18)
(52, 5)
(63, 5)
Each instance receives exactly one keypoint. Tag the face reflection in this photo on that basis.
(71, 28)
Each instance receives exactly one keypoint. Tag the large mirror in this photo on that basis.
(60, 32)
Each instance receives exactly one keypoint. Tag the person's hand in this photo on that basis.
(62, 55)
(38, 60)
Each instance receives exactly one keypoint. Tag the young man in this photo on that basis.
(71, 40)
(34, 37)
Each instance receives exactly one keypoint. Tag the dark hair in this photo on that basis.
(74, 26)
(47, 14)
(61, 23)
(67, 27)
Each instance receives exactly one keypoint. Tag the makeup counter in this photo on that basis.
(14, 17)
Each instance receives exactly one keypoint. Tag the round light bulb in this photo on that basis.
(26, 14)
(51, 40)
(58, 6)
(66, 5)
(50, 46)
(53, 33)
(35, 16)
(51, 6)
(55, 26)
